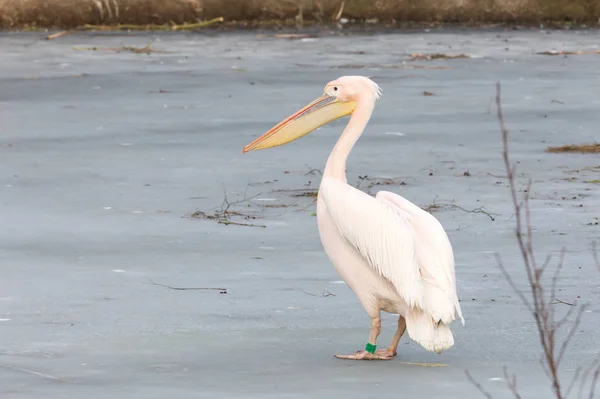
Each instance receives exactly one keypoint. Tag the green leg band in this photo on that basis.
(370, 347)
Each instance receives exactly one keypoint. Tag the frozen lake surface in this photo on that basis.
(104, 155)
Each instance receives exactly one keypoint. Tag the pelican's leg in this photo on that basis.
(391, 350)
(369, 353)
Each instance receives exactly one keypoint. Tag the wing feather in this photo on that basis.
(380, 232)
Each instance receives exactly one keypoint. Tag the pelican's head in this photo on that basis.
(340, 98)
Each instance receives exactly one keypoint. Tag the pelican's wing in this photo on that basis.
(435, 258)
(400, 241)
(381, 232)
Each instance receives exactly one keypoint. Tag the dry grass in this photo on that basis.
(74, 13)
(553, 52)
(132, 49)
(580, 148)
(436, 56)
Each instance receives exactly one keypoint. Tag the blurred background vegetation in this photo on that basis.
(73, 13)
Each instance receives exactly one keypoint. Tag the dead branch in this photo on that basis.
(497, 176)
(511, 381)
(594, 382)
(476, 210)
(538, 302)
(436, 206)
(222, 290)
(542, 313)
(478, 386)
(387, 181)
(294, 191)
(586, 375)
(573, 381)
(512, 284)
(324, 294)
(313, 171)
(556, 300)
(360, 179)
(32, 372)
(570, 334)
(225, 213)
(300, 192)
(313, 202)
(595, 255)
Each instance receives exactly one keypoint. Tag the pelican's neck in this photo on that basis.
(336, 163)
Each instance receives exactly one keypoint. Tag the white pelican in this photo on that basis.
(394, 256)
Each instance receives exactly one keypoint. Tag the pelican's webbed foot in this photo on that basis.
(389, 352)
(369, 354)
(364, 355)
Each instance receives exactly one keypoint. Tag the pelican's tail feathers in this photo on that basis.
(434, 337)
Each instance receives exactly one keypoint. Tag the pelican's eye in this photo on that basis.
(334, 91)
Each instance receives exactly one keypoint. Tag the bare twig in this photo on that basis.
(225, 213)
(476, 210)
(307, 206)
(594, 382)
(586, 375)
(303, 192)
(498, 176)
(557, 273)
(512, 284)
(511, 381)
(595, 255)
(556, 300)
(228, 222)
(360, 179)
(573, 381)
(313, 171)
(542, 313)
(43, 375)
(478, 386)
(222, 290)
(387, 181)
(569, 337)
(324, 294)
(435, 205)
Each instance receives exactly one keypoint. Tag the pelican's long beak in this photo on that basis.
(319, 112)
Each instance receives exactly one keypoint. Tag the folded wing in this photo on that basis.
(399, 240)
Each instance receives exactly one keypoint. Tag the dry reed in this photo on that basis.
(580, 148)
(73, 13)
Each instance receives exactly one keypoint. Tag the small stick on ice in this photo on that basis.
(188, 288)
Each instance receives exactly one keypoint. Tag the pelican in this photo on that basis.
(393, 255)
